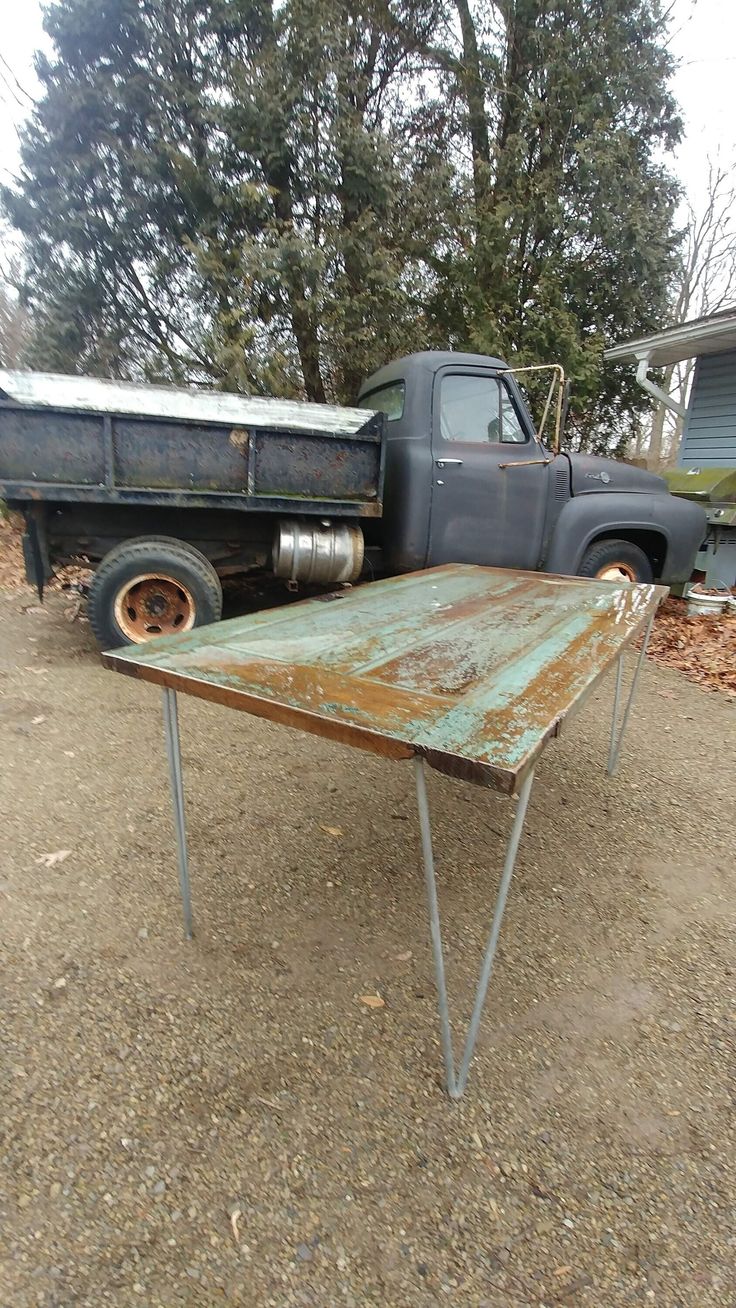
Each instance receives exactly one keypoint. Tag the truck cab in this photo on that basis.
(467, 481)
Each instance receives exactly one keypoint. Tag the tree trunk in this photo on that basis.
(353, 260)
(277, 166)
(302, 320)
(474, 92)
(654, 455)
(307, 344)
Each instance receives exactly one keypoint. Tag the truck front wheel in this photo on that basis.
(616, 560)
(152, 586)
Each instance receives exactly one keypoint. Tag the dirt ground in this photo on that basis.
(223, 1121)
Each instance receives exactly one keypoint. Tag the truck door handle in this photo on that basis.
(445, 463)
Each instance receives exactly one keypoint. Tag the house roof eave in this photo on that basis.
(715, 334)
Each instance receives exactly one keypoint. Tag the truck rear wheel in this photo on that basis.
(616, 560)
(152, 586)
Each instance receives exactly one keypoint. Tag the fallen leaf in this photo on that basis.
(667, 694)
(702, 648)
(58, 856)
(235, 1216)
(403, 958)
(331, 831)
(373, 1001)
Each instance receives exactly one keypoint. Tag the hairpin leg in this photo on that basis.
(614, 750)
(173, 752)
(456, 1080)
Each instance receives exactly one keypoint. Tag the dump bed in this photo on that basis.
(83, 439)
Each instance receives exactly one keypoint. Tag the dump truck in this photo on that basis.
(164, 492)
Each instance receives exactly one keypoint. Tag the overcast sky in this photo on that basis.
(703, 40)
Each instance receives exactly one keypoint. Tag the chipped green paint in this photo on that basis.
(474, 668)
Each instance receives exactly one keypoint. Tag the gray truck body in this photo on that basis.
(92, 464)
(503, 502)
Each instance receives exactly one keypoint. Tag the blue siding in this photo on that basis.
(709, 435)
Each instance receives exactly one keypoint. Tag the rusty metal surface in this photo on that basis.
(473, 668)
(48, 454)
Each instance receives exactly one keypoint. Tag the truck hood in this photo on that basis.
(589, 473)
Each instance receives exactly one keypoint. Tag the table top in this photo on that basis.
(473, 668)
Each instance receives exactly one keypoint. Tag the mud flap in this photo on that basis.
(35, 549)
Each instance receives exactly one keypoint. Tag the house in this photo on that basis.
(706, 460)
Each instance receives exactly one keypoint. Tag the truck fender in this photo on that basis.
(588, 517)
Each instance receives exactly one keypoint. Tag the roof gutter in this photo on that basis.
(702, 336)
(651, 388)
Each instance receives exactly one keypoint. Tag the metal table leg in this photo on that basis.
(173, 753)
(457, 1080)
(614, 750)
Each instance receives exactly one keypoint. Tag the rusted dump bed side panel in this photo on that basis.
(48, 454)
(473, 668)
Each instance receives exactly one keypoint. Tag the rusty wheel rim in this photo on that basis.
(153, 605)
(616, 572)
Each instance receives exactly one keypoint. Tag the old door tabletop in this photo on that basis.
(471, 668)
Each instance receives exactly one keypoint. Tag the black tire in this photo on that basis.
(605, 555)
(190, 591)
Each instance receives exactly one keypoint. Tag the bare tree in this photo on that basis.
(14, 317)
(14, 326)
(706, 283)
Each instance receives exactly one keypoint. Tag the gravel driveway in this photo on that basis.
(225, 1122)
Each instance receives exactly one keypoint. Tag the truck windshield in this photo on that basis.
(386, 399)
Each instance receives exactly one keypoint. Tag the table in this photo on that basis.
(466, 669)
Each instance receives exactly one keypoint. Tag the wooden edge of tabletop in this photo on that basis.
(345, 733)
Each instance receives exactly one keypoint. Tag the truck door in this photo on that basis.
(482, 513)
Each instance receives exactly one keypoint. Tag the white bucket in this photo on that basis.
(700, 604)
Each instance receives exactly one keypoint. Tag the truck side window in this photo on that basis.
(470, 409)
(386, 399)
(511, 428)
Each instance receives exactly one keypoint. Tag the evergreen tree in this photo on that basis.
(566, 111)
(282, 196)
